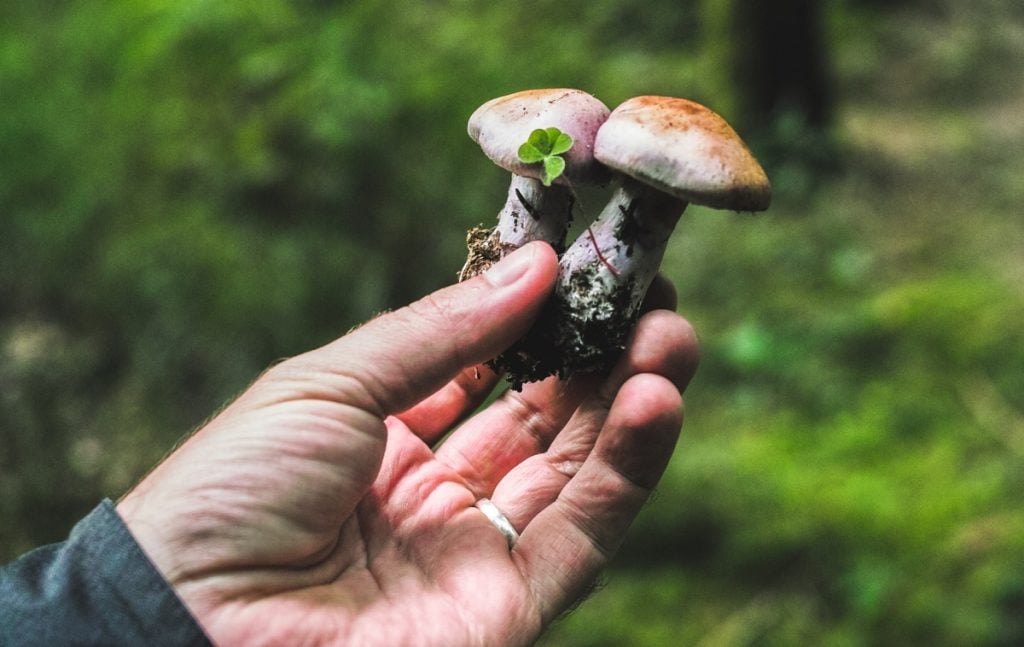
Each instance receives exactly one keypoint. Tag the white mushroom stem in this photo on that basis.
(604, 275)
(622, 250)
(533, 211)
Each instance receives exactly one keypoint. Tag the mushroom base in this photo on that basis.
(602, 279)
(588, 335)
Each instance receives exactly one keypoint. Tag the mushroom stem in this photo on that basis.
(532, 212)
(605, 273)
(669, 152)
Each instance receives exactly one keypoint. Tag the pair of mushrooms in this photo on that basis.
(663, 153)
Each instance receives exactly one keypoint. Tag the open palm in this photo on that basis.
(322, 507)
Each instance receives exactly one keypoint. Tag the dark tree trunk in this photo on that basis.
(781, 63)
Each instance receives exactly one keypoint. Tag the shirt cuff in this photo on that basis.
(96, 588)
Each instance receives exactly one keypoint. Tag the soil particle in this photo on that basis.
(484, 250)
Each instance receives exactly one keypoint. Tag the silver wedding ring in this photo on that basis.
(499, 520)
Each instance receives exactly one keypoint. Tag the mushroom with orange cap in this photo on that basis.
(668, 152)
(534, 210)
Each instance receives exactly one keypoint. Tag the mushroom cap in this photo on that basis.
(501, 125)
(684, 149)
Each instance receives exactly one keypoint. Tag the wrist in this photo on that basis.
(148, 535)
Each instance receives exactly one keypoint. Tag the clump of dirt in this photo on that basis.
(567, 339)
(484, 250)
(534, 357)
(594, 331)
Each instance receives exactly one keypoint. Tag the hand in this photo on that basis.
(314, 509)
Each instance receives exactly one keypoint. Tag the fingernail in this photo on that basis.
(511, 268)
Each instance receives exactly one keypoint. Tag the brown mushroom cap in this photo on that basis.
(501, 125)
(683, 149)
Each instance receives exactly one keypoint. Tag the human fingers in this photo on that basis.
(516, 425)
(563, 417)
(536, 482)
(564, 547)
(434, 416)
(400, 358)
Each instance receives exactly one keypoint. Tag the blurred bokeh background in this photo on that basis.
(190, 190)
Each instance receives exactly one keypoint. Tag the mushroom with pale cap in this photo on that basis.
(669, 152)
(533, 211)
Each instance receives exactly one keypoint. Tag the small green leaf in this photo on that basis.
(561, 144)
(540, 141)
(553, 167)
(544, 145)
(529, 154)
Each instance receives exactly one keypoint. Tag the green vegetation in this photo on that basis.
(546, 146)
(191, 190)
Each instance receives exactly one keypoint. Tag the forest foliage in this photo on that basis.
(191, 190)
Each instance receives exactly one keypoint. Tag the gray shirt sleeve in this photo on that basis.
(96, 588)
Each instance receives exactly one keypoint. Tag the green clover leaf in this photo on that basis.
(540, 140)
(553, 167)
(545, 146)
(530, 153)
(560, 142)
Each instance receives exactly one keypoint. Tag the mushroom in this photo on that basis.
(668, 152)
(532, 210)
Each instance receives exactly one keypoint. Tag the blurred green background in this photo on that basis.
(190, 190)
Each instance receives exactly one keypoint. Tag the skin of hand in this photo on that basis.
(320, 507)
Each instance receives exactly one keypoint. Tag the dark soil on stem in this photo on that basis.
(564, 341)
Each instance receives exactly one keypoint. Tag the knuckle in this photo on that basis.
(439, 311)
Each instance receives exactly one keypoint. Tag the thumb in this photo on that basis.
(401, 357)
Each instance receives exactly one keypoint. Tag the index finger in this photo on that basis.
(402, 357)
